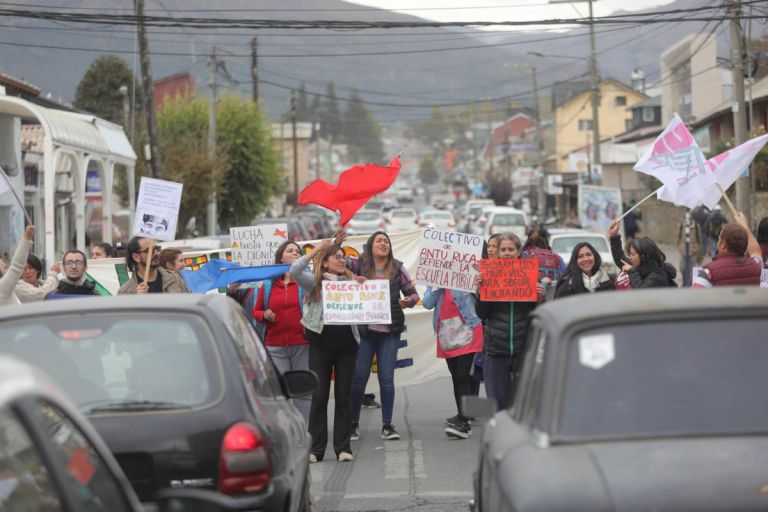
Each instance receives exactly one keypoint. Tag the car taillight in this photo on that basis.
(482, 222)
(381, 224)
(244, 465)
(451, 224)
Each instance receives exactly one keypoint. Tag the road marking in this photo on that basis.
(418, 460)
(396, 465)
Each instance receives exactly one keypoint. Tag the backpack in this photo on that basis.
(549, 262)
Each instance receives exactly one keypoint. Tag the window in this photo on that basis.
(565, 244)
(257, 366)
(585, 125)
(508, 219)
(25, 482)
(648, 115)
(528, 398)
(91, 480)
(620, 101)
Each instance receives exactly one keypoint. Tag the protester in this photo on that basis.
(645, 265)
(102, 250)
(732, 266)
(573, 220)
(378, 262)
(505, 333)
(493, 246)
(278, 310)
(762, 238)
(715, 222)
(332, 351)
(631, 227)
(171, 259)
(160, 280)
(699, 214)
(551, 265)
(459, 337)
(584, 273)
(74, 281)
(31, 287)
(12, 274)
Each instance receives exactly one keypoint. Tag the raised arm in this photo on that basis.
(753, 247)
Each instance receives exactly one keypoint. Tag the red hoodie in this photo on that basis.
(284, 303)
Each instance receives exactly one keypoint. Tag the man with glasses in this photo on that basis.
(74, 281)
(160, 280)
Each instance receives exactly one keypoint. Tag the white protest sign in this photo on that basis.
(350, 302)
(157, 209)
(446, 257)
(256, 245)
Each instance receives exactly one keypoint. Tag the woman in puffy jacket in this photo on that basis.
(645, 264)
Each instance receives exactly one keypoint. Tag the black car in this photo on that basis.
(641, 401)
(181, 389)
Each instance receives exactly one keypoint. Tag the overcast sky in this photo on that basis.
(505, 10)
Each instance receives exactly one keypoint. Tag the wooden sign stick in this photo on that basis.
(149, 259)
(728, 201)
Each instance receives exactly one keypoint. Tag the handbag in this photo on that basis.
(453, 333)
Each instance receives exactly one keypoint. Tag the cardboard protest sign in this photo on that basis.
(256, 245)
(350, 302)
(157, 209)
(445, 259)
(509, 280)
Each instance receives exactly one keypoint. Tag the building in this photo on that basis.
(282, 137)
(514, 139)
(181, 86)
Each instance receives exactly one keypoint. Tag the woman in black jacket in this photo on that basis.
(583, 273)
(645, 264)
(505, 333)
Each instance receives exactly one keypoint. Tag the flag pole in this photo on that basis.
(728, 200)
(21, 205)
(639, 203)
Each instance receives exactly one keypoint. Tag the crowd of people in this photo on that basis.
(481, 341)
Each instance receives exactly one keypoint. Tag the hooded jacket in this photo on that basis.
(644, 276)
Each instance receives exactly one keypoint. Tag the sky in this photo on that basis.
(506, 10)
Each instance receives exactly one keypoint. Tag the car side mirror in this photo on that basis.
(191, 500)
(299, 382)
(477, 407)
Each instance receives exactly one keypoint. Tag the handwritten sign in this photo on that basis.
(157, 209)
(349, 302)
(446, 257)
(256, 245)
(509, 280)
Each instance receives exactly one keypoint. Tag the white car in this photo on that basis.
(365, 222)
(472, 211)
(504, 219)
(404, 193)
(437, 219)
(562, 242)
(401, 219)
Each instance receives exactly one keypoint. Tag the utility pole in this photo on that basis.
(541, 198)
(595, 95)
(211, 208)
(318, 172)
(743, 185)
(126, 108)
(149, 100)
(255, 68)
(295, 150)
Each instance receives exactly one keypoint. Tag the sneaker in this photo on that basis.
(355, 432)
(345, 457)
(312, 458)
(389, 433)
(370, 402)
(453, 420)
(459, 431)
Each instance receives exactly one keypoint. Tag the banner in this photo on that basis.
(509, 280)
(257, 245)
(598, 206)
(350, 302)
(446, 257)
(157, 209)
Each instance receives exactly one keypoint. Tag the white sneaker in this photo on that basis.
(345, 457)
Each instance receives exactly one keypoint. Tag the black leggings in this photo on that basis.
(462, 381)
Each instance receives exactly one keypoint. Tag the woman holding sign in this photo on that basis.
(332, 349)
(504, 336)
(459, 337)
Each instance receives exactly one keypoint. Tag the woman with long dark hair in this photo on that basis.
(645, 264)
(583, 273)
(762, 238)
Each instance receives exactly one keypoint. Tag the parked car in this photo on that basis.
(503, 219)
(404, 193)
(365, 222)
(649, 400)
(181, 389)
(471, 211)
(437, 219)
(563, 241)
(53, 459)
(297, 231)
(401, 219)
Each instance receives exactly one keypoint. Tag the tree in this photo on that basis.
(499, 188)
(302, 105)
(361, 131)
(314, 109)
(330, 114)
(427, 171)
(99, 90)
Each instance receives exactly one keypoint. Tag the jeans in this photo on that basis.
(293, 357)
(500, 378)
(463, 383)
(384, 345)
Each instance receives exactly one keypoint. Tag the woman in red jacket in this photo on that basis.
(278, 308)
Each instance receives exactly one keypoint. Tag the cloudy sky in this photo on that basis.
(505, 10)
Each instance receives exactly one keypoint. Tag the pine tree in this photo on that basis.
(302, 105)
(361, 131)
(99, 90)
(330, 114)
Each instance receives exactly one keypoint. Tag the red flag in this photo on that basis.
(357, 185)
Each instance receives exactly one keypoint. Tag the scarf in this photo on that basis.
(592, 282)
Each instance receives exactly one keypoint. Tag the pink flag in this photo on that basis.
(731, 164)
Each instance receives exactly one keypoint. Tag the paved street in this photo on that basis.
(424, 471)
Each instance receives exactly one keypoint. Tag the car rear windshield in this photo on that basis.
(508, 219)
(437, 215)
(105, 360)
(566, 244)
(366, 216)
(656, 379)
(403, 214)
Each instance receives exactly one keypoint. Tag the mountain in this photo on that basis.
(58, 61)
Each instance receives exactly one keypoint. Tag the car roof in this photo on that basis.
(581, 234)
(505, 209)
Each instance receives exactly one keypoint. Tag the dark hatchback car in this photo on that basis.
(644, 401)
(181, 389)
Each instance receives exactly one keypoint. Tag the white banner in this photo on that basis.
(446, 257)
(350, 302)
(157, 209)
(256, 245)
